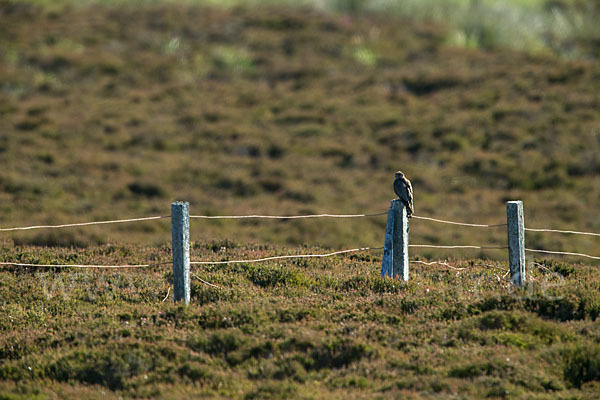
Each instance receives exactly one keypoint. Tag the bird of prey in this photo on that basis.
(404, 191)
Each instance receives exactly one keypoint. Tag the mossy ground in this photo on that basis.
(300, 329)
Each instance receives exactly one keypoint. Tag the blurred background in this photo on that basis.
(114, 109)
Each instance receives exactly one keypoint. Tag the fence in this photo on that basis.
(395, 260)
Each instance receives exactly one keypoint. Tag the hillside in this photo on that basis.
(114, 112)
(308, 329)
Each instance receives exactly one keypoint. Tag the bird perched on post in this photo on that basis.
(404, 191)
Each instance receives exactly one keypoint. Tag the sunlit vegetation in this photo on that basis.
(567, 28)
(113, 111)
(304, 329)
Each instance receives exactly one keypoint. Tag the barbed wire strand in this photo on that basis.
(286, 216)
(563, 253)
(560, 231)
(457, 223)
(284, 257)
(117, 221)
(206, 283)
(16, 264)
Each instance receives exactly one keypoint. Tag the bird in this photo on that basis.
(404, 191)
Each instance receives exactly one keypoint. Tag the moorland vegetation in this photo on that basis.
(109, 111)
(309, 329)
(113, 111)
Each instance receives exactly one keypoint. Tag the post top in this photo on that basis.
(180, 203)
(514, 202)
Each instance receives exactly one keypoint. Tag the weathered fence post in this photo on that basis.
(395, 250)
(180, 229)
(516, 241)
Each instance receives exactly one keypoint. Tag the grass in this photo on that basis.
(308, 328)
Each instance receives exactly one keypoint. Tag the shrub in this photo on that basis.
(501, 320)
(146, 189)
(270, 276)
(478, 369)
(360, 283)
(203, 294)
(338, 354)
(61, 239)
(194, 371)
(106, 367)
(273, 391)
(223, 343)
(582, 365)
(385, 285)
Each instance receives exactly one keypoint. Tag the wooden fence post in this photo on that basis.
(180, 229)
(516, 241)
(395, 250)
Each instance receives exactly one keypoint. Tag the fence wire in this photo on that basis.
(563, 253)
(246, 261)
(116, 221)
(560, 231)
(286, 216)
(458, 247)
(457, 223)
(284, 257)
(205, 282)
(193, 262)
(17, 264)
(437, 263)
